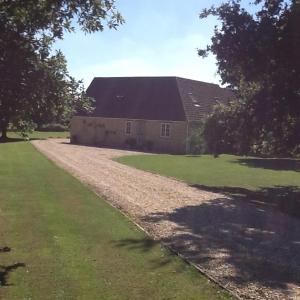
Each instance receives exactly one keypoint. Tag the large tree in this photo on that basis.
(259, 52)
(34, 82)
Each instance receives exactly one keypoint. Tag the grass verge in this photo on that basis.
(40, 135)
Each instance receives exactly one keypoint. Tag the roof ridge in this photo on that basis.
(199, 81)
(126, 77)
(153, 77)
(181, 99)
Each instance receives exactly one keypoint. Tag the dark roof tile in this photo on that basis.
(154, 98)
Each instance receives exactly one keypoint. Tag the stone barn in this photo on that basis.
(149, 113)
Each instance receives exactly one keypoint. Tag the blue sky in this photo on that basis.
(159, 38)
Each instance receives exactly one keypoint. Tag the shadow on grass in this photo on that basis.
(238, 242)
(145, 245)
(6, 270)
(16, 140)
(284, 198)
(278, 164)
(11, 140)
(4, 249)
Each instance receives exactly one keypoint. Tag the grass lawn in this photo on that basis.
(58, 240)
(274, 182)
(41, 135)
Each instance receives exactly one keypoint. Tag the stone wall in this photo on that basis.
(145, 134)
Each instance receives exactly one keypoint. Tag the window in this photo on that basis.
(128, 127)
(119, 97)
(217, 100)
(194, 100)
(165, 130)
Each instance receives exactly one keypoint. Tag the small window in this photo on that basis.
(120, 97)
(217, 100)
(128, 127)
(165, 130)
(193, 98)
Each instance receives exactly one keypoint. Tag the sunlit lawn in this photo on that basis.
(271, 181)
(41, 135)
(58, 240)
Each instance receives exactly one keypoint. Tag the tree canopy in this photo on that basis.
(34, 82)
(258, 56)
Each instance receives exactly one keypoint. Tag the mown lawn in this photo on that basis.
(274, 182)
(41, 135)
(58, 240)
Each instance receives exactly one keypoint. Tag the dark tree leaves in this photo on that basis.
(261, 49)
(34, 84)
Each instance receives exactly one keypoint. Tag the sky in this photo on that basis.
(159, 38)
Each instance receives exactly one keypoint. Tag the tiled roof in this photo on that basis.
(199, 97)
(154, 98)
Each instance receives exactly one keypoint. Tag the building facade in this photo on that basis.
(148, 113)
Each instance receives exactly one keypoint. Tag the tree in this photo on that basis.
(62, 95)
(33, 82)
(261, 50)
(226, 127)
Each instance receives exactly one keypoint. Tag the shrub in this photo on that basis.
(196, 140)
(131, 143)
(197, 145)
(52, 127)
(74, 139)
(149, 145)
(296, 152)
(24, 128)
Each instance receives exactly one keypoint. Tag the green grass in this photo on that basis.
(66, 243)
(41, 135)
(271, 181)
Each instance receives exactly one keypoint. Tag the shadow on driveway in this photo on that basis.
(283, 198)
(239, 243)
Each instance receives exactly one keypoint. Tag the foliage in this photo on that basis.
(35, 134)
(131, 142)
(35, 84)
(257, 55)
(226, 129)
(215, 130)
(61, 95)
(25, 127)
(53, 127)
(148, 145)
(195, 140)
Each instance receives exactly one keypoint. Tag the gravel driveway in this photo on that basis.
(252, 251)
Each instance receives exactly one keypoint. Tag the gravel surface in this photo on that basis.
(254, 252)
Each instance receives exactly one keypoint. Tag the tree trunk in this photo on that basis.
(4, 126)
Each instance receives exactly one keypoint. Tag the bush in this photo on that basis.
(74, 139)
(52, 127)
(196, 139)
(24, 128)
(296, 152)
(149, 145)
(131, 143)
